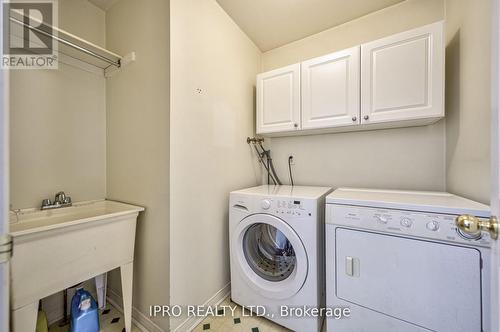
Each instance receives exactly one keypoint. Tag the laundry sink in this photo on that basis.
(31, 221)
(56, 249)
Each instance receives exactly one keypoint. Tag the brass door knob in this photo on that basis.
(473, 226)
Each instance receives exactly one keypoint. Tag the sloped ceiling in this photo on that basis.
(273, 23)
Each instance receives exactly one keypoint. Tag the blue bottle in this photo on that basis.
(84, 314)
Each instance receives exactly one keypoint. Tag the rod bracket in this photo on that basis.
(255, 140)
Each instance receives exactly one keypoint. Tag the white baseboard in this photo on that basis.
(191, 322)
(143, 322)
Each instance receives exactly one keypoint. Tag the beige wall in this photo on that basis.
(400, 17)
(406, 158)
(58, 122)
(58, 128)
(468, 98)
(209, 154)
(82, 18)
(138, 141)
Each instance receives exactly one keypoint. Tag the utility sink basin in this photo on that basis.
(56, 249)
(34, 221)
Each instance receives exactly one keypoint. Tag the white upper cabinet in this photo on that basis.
(397, 81)
(402, 76)
(278, 100)
(330, 90)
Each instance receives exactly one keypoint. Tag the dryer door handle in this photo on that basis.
(352, 266)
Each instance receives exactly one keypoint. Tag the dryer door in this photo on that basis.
(432, 285)
(270, 255)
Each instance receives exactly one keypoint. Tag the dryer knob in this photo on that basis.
(382, 219)
(405, 222)
(266, 204)
(433, 225)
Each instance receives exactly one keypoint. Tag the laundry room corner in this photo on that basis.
(401, 158)
(468, 34)
(213, 110)
(138, 143)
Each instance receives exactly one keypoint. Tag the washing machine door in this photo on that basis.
(271, 257)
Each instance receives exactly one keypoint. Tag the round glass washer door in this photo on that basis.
(271, 256)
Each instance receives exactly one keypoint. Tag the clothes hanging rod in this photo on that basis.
(67, 43)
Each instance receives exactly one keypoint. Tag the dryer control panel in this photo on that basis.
(419, 224)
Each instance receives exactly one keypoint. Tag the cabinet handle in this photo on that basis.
(296, 125)
(354, 118)
(366, 117)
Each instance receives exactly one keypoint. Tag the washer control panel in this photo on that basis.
(285, 207)
(265, 204)
(418, 224)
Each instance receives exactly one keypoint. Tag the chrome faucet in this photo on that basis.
(60, 200)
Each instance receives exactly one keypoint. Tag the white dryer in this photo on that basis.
(276, 247)
(398, 261)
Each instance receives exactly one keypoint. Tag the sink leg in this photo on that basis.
(24, 318)
(100, 285)
(126, 275)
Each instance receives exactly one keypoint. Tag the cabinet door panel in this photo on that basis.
(278, 100)
(330, 90)
(402, 76)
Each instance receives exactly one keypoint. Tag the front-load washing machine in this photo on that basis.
(398, 261)
(276, 247)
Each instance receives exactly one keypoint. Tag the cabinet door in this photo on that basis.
(278, 100)
(402, 76)
(330, 90)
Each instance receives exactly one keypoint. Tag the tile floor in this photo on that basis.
(110, 320)
(237, 322)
